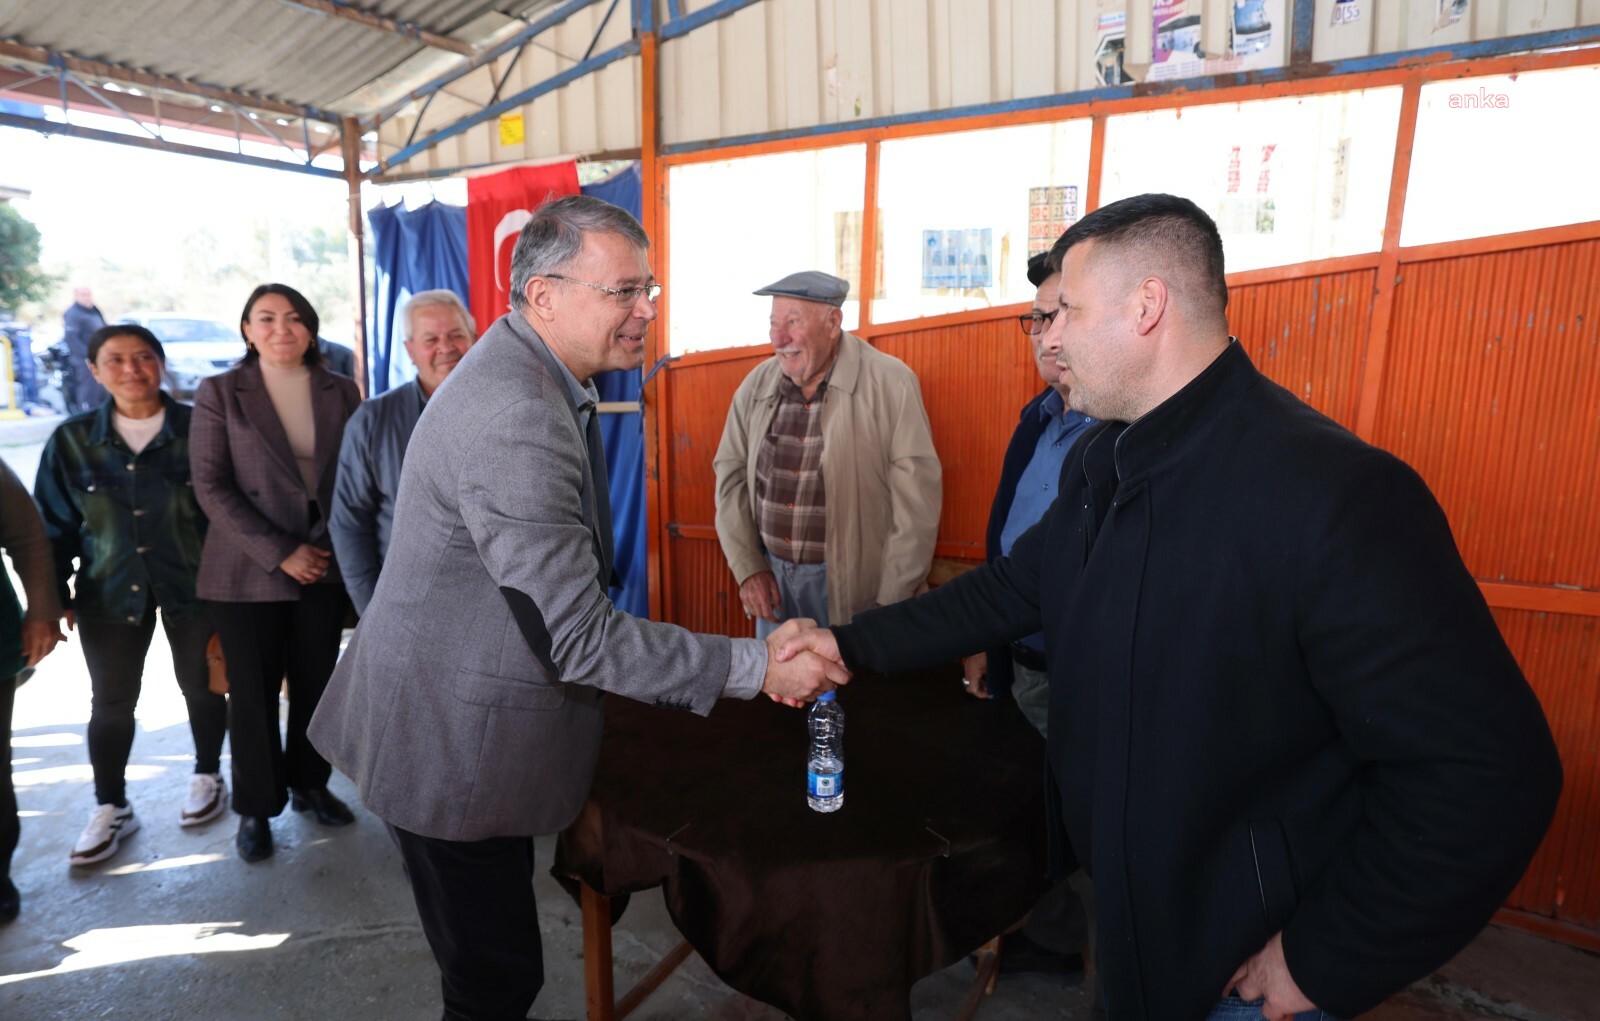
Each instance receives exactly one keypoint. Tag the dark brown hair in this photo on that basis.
(98, 339)
(302, 308)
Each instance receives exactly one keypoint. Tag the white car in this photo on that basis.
(196, 347)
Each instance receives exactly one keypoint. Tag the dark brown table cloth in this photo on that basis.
(939, 846)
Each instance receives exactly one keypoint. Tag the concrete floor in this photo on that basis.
(177, 927)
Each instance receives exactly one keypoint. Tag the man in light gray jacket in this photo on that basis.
(467, 707)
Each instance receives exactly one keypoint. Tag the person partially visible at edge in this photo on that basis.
(336, 358)
(264, 449)
(438, 333)
(828, 484)
(79, 322)
(24, 641)
(1288, 741)
(467, 707)
(1058, 929)
(118, 506)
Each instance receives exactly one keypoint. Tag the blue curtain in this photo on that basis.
(624, 437)
(425, 248)
(418, 249)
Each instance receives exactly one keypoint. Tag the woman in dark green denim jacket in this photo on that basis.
(115, 495)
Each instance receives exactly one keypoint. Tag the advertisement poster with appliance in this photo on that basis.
(1258, 38)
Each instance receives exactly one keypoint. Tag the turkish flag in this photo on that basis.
(497, 207)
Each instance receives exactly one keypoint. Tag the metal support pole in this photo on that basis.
(350, 129)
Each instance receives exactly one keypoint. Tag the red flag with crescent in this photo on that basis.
(497, 207)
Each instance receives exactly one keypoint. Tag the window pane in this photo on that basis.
(737, 225)
(958, 214)
(1288, 180)
(1502, 154)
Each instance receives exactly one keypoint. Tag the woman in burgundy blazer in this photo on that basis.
(264, 447)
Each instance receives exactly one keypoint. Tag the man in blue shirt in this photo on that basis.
(439, 331)
(1058, 928)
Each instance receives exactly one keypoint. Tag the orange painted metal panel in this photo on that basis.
(1492, 392)
(1307, 335)
(704, 597)
(1560, 653)
(975, 379)
(700, 399)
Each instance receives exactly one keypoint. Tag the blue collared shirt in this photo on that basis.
(1036, 489)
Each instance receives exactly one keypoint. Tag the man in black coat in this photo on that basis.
(78, 323)
(1287, 739)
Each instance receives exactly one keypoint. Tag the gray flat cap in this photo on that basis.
(812, 285)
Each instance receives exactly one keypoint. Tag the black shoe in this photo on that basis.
(255, 838)
(10, 901)
(320, 802)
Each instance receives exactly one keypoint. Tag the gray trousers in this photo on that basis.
(802, 592)
(1062, 920)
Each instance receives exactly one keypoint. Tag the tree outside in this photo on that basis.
(22, 279)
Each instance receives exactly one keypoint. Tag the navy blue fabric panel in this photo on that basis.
(624, 188)
(624, 438)
(418, 249)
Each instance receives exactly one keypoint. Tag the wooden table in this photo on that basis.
(833, 917)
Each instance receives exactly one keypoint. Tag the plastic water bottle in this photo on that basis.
(825, 768)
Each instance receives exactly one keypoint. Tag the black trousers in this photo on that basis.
(10, 829)
(114, 652)
(264, 643)
(476, 902)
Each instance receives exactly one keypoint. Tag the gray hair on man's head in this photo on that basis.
(431, 299)
(554, 237)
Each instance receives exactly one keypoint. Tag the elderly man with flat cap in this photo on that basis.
(828, 486)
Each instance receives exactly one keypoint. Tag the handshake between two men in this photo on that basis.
(803, 661)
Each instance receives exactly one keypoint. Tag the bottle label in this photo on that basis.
(825, 785)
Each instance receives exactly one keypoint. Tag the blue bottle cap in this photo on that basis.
(826, 696)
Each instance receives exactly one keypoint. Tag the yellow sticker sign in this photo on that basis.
(511, 129)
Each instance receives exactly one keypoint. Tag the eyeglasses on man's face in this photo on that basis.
(1033, 323)
(624, 296)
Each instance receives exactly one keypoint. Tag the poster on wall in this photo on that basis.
(1339, 193)
(1111, 30)
(1051, 210)
(958, 259)
(1450, 12)
(1246, 210)
(1257, 39)
(1345, 12)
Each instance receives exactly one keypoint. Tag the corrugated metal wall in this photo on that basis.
(785, 64)
(1491, 391)
(1560, 653)
(596, 113)
(793, 64)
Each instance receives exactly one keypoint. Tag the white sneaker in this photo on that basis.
(99, 840)
(208, 798)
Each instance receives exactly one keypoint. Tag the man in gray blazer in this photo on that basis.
(439, 331)
(467, 707)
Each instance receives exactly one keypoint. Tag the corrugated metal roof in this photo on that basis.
(271, 47)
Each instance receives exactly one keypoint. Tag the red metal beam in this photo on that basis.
(393, 26)
(1586, 231)
(1541, 598)
(27, 88)
(133, 76)
(1389, 263)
